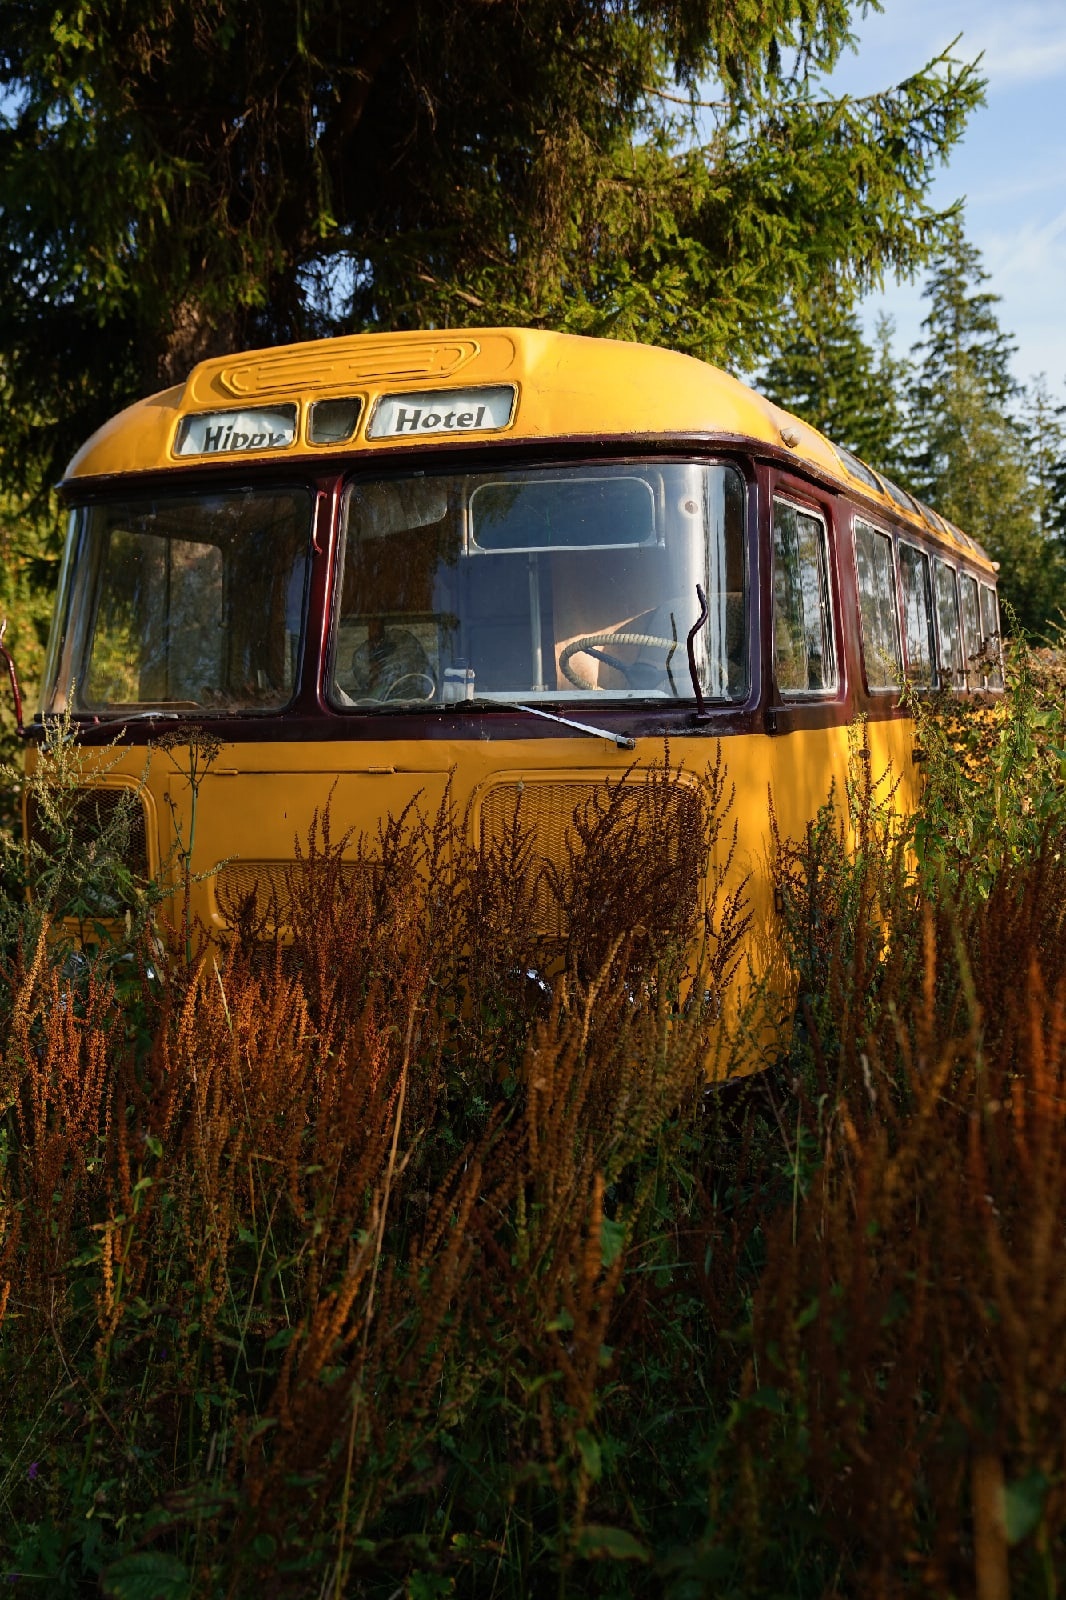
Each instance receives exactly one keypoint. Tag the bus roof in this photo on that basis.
(425, 388)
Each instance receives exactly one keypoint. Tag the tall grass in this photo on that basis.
(409, 1254)
(314, 1245)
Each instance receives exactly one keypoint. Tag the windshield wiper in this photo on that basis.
(622, 740)
(702, 714)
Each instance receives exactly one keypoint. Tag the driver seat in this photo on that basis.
(388, 655)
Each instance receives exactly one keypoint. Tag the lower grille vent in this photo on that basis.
(652, 833)
(90, 818)
(264, 889)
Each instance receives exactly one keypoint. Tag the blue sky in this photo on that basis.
(1010, 167)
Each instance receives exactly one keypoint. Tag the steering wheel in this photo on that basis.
(425, 679)
(591, 644)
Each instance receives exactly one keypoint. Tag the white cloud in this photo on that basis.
(1035, 251)
(1025, 45)
(1022, 41)
(1027, 266)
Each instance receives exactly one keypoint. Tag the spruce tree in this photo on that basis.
(1057, 507)
(1044, 437)
(970, 458)
(827, 374)
(1044, 424)
(182, 180)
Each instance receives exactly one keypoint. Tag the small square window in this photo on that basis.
(333, 421)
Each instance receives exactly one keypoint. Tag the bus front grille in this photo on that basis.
(90, 820)
(262, 892)
(260, 889)
(644, 838)
(661, 825)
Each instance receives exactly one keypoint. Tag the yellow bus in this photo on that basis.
(509, 560)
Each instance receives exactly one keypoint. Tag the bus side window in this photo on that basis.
(881, 651)
(971, 629)
(804, 658)
(918, 616)
(991, 640)
(947, 614)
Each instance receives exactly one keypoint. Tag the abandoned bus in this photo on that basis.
(511, 560)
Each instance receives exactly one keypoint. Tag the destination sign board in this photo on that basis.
(229, 433)
(442, 411)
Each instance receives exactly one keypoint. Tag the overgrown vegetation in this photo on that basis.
(368, 1263)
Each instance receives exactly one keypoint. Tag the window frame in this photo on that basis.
(889, 534)
(951, 677)
(832, 690)
(989, 681)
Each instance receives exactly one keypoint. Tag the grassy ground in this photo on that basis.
(368, 1266)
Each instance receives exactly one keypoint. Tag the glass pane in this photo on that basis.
(971, 629)
(857, 468)
(917, 615)
(184, 602)
(554, 584)
(931, 517)
(947, 611)
(804, 660)
(156, 591)
(900, 496)
(990, 629)
(333, 421)
(575, 513)
(877, 608)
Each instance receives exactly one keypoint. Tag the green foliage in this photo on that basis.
(70, 872)
(995, 774)
(842, 890)
(826, 373)
(1054, 471)
(29, 571)
(884, 1437)
(147, 1575)
(177, 182)
(1044, 435)
(972, 460)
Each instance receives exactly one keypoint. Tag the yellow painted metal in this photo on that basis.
(258, 800)
(568, 388)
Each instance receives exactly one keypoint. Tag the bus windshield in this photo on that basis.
(182, 602)
(551, 583)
